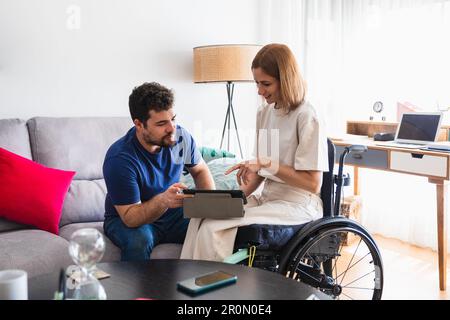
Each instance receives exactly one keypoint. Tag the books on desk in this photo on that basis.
(399, 145)
(438, 147)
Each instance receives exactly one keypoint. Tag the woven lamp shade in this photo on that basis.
(224, 63)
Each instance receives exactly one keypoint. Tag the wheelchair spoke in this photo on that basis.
(358, 278)
(336, 261)
(347, 296)
(354, 253)
(336, 271)
(349, 267)
(306, 273)
(360, 288)
(338, 256)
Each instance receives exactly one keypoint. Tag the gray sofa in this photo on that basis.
(77, 144)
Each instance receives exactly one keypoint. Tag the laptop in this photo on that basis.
(416, 130)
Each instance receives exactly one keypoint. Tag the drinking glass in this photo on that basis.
(86, 248)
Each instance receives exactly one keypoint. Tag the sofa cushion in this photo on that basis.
(77, 144)
(209, 153)
(31, 193)
(14, 137)
(35, 251)
(218, 168)
(112, 253)
(8, 225)
(85, 202)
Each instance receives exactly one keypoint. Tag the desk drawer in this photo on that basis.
(377, 159)
(413, 163)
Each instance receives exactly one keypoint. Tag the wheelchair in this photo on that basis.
(320, 253)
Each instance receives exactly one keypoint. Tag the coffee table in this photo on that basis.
(156, 279)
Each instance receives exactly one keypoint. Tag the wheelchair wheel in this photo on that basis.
(343, 262)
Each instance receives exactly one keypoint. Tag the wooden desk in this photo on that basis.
(431, 165)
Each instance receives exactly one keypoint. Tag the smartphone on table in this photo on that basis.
(206, 282)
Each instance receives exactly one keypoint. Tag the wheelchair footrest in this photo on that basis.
(237, 257)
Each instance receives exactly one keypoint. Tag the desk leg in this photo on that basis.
(441, 200)
(355, 181)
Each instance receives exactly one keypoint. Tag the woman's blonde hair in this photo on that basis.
(278, 61)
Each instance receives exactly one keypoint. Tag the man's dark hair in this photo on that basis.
(149, 96)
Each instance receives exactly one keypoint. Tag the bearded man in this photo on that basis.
(142, 170)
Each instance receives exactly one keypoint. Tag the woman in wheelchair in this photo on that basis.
(283, 228)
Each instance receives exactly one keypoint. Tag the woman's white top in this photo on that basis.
(296, 139)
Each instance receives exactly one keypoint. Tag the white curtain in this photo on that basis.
(355, 52)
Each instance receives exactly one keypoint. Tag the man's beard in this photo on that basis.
(163, 142)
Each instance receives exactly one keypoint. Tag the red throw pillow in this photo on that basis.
(31, 193)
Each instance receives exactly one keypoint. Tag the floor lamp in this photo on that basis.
(225, 63)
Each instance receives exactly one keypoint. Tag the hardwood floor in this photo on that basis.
(410, 272)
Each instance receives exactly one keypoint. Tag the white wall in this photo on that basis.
(83, 57)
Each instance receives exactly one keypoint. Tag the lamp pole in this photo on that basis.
(230, 111)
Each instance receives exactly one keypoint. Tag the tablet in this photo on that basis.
(214, 204)
(233, 193)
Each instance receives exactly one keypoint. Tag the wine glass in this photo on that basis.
(86, 248)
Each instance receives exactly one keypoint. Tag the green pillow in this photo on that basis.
(217, 168)
(209, 154)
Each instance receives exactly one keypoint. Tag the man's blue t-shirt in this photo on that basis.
(132, 174)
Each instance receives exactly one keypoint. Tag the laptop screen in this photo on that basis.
(419, 127)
